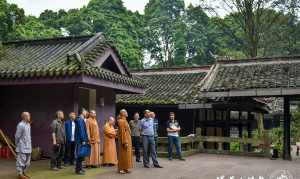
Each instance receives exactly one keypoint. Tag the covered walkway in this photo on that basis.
(261, 77)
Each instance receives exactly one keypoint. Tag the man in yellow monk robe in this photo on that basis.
(109, 146)
(94, 140)
(125, 145)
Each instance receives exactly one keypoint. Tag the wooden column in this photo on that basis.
(227, 123)
(240, 125)
(286, 129)
(215, 127)
(194, 120)
(76, 98)
(250, 120)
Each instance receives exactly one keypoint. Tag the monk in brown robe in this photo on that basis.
(94, 140)
(109, 146)
(125, 145)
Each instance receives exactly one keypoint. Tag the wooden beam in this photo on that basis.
(286, 129)
(265, 92)
(195, 106)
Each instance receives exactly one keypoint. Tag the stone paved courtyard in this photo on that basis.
(201, 166)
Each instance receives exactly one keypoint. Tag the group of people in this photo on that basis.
(67, 136)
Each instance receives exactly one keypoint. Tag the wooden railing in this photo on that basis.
(195, 144)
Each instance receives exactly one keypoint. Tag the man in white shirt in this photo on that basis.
(173, 129)
(70, 139)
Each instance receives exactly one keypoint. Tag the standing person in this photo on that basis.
(173, 129)
(155, 128)
(94, 140)
(23, 145)
(109, 146)
(70, 139)
(125, 145)
(136, 135)
(147, 132)
(58, 141)
(81, 138)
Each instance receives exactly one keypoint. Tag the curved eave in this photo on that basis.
(83, 79)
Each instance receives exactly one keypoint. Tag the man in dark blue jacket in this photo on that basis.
(70, 139)
(81, 138)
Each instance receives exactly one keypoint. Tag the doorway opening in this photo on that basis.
(87, 98)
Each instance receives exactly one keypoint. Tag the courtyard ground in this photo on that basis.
(201, 166)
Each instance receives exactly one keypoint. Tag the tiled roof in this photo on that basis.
(59, 57)
(261, 73)
(167, 86)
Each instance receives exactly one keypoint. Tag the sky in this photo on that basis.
(35, 7)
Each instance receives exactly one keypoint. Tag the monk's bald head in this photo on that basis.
(25, 116)
(111, 120)
(123, 113)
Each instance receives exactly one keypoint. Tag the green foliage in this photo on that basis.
(277, 138)
(295, 127)
(166, 32)
(169, 33)
(10, 16)
(33, 29)
(235, 146)
(2, 50)
(257, 135)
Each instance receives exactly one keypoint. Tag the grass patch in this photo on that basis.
(40, 170)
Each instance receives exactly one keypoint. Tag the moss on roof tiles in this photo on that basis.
(171, 88)
(49, 58)
(276, 73)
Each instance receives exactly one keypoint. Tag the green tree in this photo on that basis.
(165, 31)
(202, 36)
(10, 16)
(250, 15)
(33, 29)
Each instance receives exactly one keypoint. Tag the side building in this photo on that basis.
(68, 73)
(177, 90)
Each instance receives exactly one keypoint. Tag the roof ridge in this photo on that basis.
(203, 68)
(93, 40)
(52, 39)
(259, 59)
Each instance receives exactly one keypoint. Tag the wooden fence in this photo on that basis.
(196, 144)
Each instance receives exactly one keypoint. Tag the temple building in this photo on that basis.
(68, 73)
(178, 90)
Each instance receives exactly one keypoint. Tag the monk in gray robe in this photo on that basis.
(23, 145)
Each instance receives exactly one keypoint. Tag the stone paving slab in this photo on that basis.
(200, 166)
(206, 166)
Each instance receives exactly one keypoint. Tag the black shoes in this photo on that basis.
(158, 166)
(146, 166)
(81, 172)
(182, 159)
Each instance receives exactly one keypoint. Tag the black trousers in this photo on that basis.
(57, 156)
(136, 141)
(78, 167)
(70, 153)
